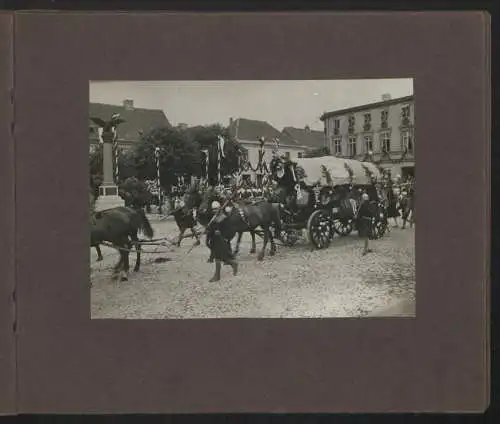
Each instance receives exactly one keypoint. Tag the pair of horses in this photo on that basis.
(239, 216)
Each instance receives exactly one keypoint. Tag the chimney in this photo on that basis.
(128, 104)
(386, 97)
(231, 120)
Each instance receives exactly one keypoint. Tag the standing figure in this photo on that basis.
(392, 208)
(219, 237)
(364, 222)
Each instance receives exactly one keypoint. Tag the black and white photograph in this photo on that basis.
(252, 199)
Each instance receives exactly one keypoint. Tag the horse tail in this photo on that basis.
(145, 224)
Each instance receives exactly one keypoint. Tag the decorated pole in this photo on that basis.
(115, 149)
(157, 157)
(220, 157)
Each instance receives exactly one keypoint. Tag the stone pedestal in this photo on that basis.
(108, 198)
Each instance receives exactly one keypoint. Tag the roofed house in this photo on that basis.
(248, 131)
(310, 139)
(138, 121)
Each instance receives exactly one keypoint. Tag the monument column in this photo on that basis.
(108, 191)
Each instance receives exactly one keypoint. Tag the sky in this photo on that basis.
(281, 103)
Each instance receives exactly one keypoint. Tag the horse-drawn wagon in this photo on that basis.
(320, 196)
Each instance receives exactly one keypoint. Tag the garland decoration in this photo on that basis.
(326, 175)
(350, 172)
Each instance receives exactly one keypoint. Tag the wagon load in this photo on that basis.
(332, 171)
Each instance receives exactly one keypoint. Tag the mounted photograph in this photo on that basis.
(252, 199)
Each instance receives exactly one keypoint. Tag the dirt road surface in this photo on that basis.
(298, 282)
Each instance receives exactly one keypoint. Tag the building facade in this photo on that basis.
(381, 132)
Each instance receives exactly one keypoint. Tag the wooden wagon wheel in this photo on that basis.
(380, 227)
(288, 236)
(320, 229)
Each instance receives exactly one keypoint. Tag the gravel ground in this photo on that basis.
(297, 282)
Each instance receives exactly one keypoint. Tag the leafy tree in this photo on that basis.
(178, 156)
(318, 152)
(127, 165)
(134, 192)
(95, 168)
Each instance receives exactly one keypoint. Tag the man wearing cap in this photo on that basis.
(220, 244)
(364, 221)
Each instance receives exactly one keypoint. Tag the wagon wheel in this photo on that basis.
(381, 225)
(319, 229)
(343, 227)
(375, 230)
(287, 236)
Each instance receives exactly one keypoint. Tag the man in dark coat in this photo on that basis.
(364, 221)
(219, 239)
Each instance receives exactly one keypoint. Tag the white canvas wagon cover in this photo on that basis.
(339, 170)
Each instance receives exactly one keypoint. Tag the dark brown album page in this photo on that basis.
(7, 243)
(437, 361)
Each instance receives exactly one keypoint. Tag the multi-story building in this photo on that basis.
(381, 132)
(138, 121)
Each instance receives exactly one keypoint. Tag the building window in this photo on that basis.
(368, 143)
(337, 145)
(287, 155)
(386, 141)
(405, 111)
(299, 154)
(405, 116)
(407, 141)
(367, 121)
(336, 126)
(384, 118)
(352, 146)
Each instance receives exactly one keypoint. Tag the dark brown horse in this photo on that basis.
(205, 216)
(92, 199)
(241, 218)
(184, 214)
(120, 226)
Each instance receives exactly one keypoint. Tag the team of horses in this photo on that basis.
(120, 226)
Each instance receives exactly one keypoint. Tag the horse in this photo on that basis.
(205, 216)
(120, 227)
(92, 199)
(242, 217)
(184, 214)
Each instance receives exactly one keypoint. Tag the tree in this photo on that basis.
(95, 168)
(135, 193)
(178, 156)
(127, 164)
(318, 152)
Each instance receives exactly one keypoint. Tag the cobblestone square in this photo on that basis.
(298, 282)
